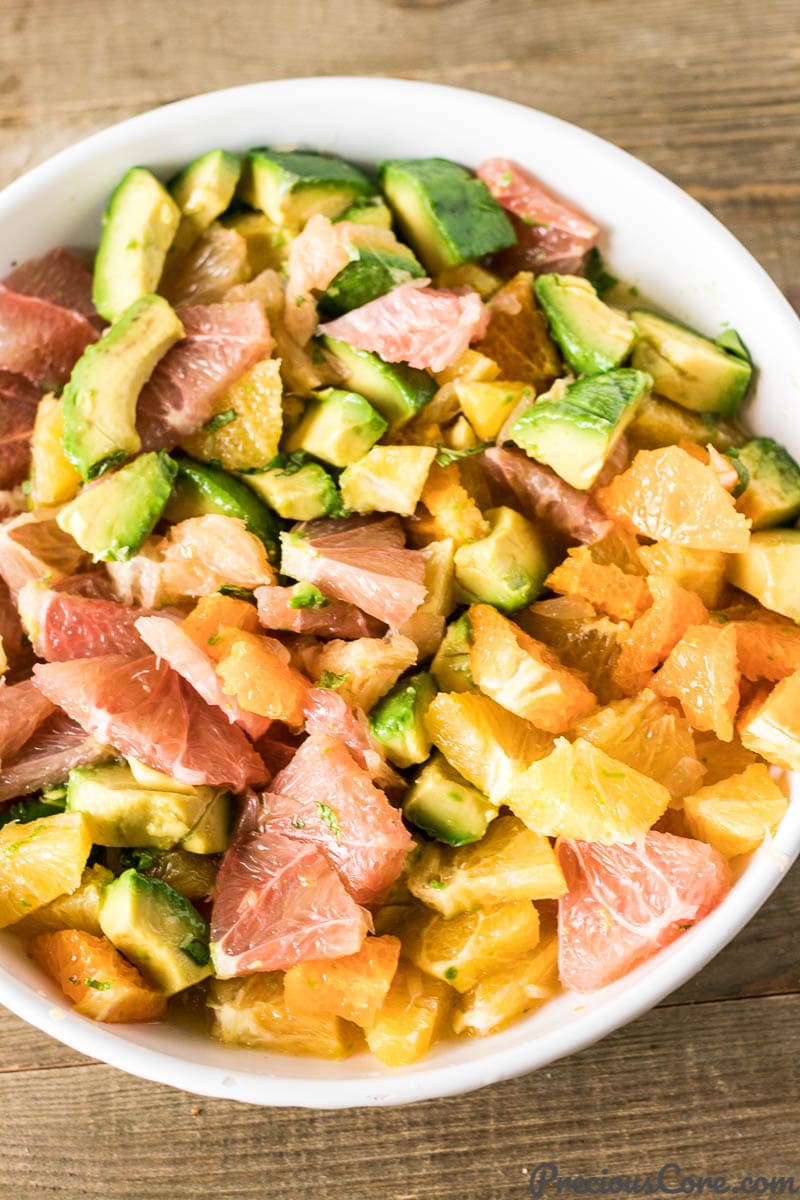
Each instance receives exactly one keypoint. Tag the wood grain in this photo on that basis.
(707, 92)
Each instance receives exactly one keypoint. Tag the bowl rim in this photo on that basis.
(671, 968)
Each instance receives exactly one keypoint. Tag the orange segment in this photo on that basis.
(770, 725)
(413, 1016)
(455, 514)
(213, 613)
(702, 673)
(656, 632)
(95, 977)
(608, 589)
(736, 814)
(524, 675)
(700, 571)
(253, 1012)
(354, 987)
(261, 681)
(39, 861)
(767, 650)
(510, 992)
(721, 759)
(667, 494)
(583, 641)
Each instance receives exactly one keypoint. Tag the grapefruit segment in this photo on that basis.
(667, 494)
(277, 609)
(48, 756)
(147, 711)
(324, 797)
(59, 277)
(40, 340)
(23, 709)
(328, 713)
(278, 902)
(65, 625)
(626, 902)
(19, 399)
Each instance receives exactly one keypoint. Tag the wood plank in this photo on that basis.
(713, 1088)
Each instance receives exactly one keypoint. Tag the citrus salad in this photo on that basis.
(398, 624)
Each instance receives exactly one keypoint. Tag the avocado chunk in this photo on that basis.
(100, 399)
(769, 570)
(110, 519)
(378, 263)
(688, 368)
(398, 720)
(203, 190)
(158, 930)
(451, 664)
(772, 494)
(202, 488)
(139, 226)
(507, 568)
(661, 423)
(193, 875)
(338, 427)
(444, 805)
(576, 433)
(387, 479)
(296, 488)
(395, 389)
(373, 211)
(448, 215)
(592, 336)
(121, 810)
(291, 186)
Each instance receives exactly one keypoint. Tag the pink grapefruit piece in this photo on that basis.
(33, 547)
(429, 328)
(328, 713)
(362, 563)
(551, 235)
(19, 399)
(335, 619)
(171, 643)
(145, 710)
(626, 902)
(220, 343)
(48, 756)
(59, 277)
(23, 709)
(41, 340)
(278, 902)
(65, 625)
(326, 798)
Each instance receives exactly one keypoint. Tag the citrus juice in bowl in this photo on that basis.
(468, 783)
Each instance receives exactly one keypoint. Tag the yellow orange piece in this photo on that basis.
(455, 514)
(582, 640)
(512, 991)
(485, 743)
(652, 637)
(721, 759)
(736, 814)
(767, 650)
(253, 1012)
(95, 977)
(261, 681)
(702, 674)
(460, 951)
(216, 612)
(40, 860)
(75, 910)
(647, 733)
(413, 1016)
(524, 675)
(700, 571)
(251, 410)
(771, 724)
(579, 791)
(363, 669)
(487, 406)
(354, 987)
(470, 366)
(510, 862)
(667, 494)
(608, 589)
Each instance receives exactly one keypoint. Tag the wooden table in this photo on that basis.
(709, 93)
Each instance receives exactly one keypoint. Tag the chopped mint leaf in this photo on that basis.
(288, 464)
(305, 595)
(298, 823)
(220, 420)
(332, 681)
(197, 950)
(506, 179)
(436, 885)
(238, 593)
(330, 819)
(446, 456)
(99, 985)
(600, 279)
(300, 300)
(141, 858)
(451, 973)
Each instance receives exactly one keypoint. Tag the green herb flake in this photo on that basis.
(436, 885)
(99, 985)
(220, 420)
(601, 280)
(506, 179)
(613, 774)
(328, 679)
(330, 819)
(305, 595)
(451, 973)
(300, 301)
(215, 637)
(446, 456)
(298, 823)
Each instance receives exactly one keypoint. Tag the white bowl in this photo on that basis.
(654, 236)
